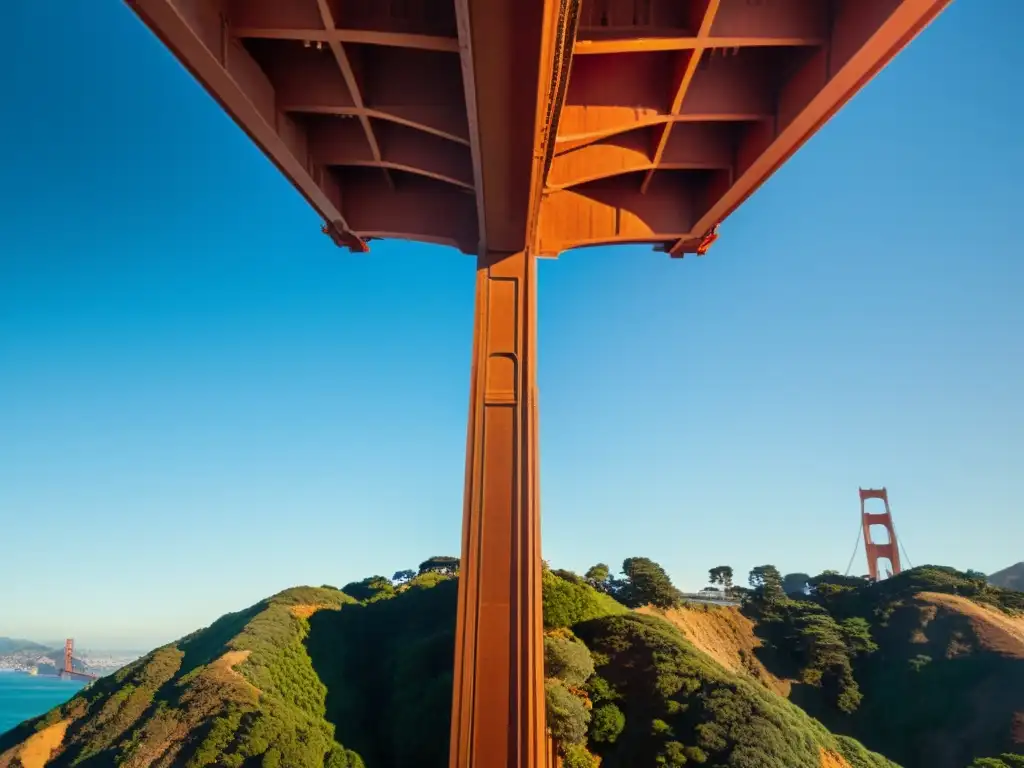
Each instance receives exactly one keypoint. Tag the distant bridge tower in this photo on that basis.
(69, 661)
(69, 665)
(889, 550)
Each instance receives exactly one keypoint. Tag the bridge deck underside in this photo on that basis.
(389, 116)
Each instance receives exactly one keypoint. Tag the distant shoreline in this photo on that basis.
(23, 673)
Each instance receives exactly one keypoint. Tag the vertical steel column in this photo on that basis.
(498, 696)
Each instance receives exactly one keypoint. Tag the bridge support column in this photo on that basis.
(498, 696)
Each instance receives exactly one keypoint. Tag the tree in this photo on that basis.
(721, 574)
(401, 577)
(567, 660)
(857, 635)
(566, 713)
(606, 723)
(571, 577)
(795, 583)
(597, 573)
(648, 584)
(577, 756)
(766, 581)
(440, 564)
(837, 579)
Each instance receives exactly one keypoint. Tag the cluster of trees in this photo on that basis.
(767, 582)
(675, 707)
(642, 582)
(792, 616)
(568, 665)
(444, 565)
(824, 631)
(624, 689)
(430, 571)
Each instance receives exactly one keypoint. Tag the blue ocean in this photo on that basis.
(24, 696)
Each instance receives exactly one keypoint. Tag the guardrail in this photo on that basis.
(702, 597)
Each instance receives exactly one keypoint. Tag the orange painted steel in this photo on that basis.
(512, 130)
(875, 551)
(498, 717)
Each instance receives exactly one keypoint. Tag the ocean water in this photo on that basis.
(24, 696)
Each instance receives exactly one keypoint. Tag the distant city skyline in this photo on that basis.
(52, 645)
(203, 401)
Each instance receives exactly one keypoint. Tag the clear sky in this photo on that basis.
(203, 401)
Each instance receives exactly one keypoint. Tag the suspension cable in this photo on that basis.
(903, 549)
(856, 546)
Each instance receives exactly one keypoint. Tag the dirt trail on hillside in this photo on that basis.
(226, 665)
(995, 630)
(727, 636)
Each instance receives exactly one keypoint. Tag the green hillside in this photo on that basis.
(362, 678)
(242, 688)
(926, 667)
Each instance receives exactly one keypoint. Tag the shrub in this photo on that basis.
(606, 723)
(567, 717)
(567, 603)
(678, 707)
(567, 660)
(577, 756)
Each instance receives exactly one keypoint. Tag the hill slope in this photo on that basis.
(926, 667)
(10, 645)
(726, 635)
(239, 689)
(310, 677)
(1009, 578)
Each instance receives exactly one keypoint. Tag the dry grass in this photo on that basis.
(37, 749)
(307, 610)
(226, 664)
(727, 636)
(996, 631)
(833, 760)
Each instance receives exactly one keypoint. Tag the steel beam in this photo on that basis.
(498, 702)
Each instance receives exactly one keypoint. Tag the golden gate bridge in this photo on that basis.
(68, 672)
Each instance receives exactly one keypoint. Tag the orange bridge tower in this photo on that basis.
(69, 650)
(876, 551)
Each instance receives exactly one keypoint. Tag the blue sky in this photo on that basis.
(202, 401)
